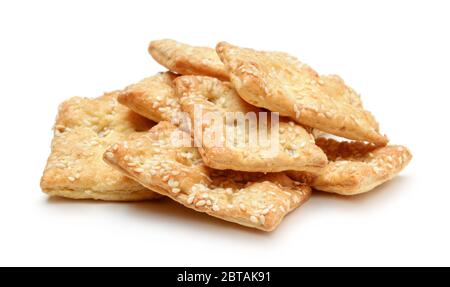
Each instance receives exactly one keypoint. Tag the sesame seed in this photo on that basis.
(262, 219)
(242, 207)
(71, 178)
(215, 207)
(171, 182)
(60, 165)
(190, 199)
(139, 169)
(176, 190)
(165, 178)
(287, 203)
(200, 203)
(109, 154)
(254, 219)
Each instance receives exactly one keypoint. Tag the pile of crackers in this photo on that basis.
(120, 146)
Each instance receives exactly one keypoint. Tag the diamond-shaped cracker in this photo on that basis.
(292, 149)
(158, 161)
(280, 83)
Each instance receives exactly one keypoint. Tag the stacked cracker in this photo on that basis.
(120, 146)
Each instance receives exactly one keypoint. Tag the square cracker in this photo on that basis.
(356, 167)
(292, 149)
(158, 161)
(187, 60)
(280, 83)
(153, 97)
(84, 129)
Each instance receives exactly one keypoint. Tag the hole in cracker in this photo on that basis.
(138, 122)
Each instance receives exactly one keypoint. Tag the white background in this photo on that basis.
(395, 53)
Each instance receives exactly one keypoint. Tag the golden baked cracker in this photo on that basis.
(153, 97)
(356, 167)
(84, 129)
(292, 149)
(280, 83)
(177, 171)
(336, 88)
(187, 60)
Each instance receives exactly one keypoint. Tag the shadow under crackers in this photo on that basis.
(323, 203)
(169, 211)
(166, 211)
(384, 190)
